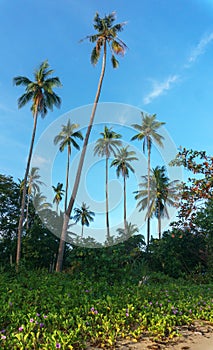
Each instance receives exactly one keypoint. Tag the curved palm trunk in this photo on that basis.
(23, 201)
(125, 224)
(80, 166)
(82, 230)
(67, 177)
(107, 199)
(148, 199)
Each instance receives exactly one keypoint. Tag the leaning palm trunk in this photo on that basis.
(80, 166)
(23, 201)
(107, 200)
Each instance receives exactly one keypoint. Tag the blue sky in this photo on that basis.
(167, 68)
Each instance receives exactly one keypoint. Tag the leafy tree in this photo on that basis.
(84, 215)
(122, 161)
(106, 146)
(199, 187)
(178, 253)
(9, 213)
(40, 92)
(59, 192)
(66, 138)
(148, 133)
(39, 246)
(107, 34)
(203, 224)
(162, 193)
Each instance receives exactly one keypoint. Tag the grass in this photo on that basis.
(50, 311)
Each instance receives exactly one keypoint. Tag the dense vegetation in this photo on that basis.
(41, 311)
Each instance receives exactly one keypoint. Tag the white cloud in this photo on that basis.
(39, 161)
(159, 88)
(200, 48)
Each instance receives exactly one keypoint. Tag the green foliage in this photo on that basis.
(178, 253)
(199, 187)
(9, 213)
(204, 225)
(107, 33)
(113, 263)
(41, 311)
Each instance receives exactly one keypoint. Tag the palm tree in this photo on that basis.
(162, 193)
(59, 192)
(39, 202)
(84, 215)
(107, 34)
(148, 133)
(66, 138)
(122, 163)
(127, 232)
(33, 188)
(40, 92)
(106, 146)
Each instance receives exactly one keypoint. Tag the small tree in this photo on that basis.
(84, 215)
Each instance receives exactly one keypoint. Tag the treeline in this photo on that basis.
(180, 252)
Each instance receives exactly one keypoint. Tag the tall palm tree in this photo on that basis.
(107, 34)
(40, 92)
(162, 193)
(148, 133)
(66, 138)
(122, 163)
(106, 146)
(84, 215)
(59, 192)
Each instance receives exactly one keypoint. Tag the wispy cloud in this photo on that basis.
(39, 161)
(199, 49)
(159, 88)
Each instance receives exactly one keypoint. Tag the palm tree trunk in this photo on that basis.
(23, 201)
(125, 224)
(159, 222)
(148, 199)
(107, 199)
(80, 166)
(82, 230)
(67, 177)
(27, 211)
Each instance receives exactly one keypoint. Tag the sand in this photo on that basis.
(198, 336)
